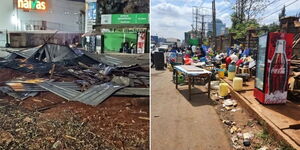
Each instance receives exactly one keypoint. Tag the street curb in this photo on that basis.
(266, 123)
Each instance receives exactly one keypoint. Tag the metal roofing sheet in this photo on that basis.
(93, 96)
(17, 95)
(66, 93)
(29, 87)
(98, 93)
(26, 53)
(133, 92)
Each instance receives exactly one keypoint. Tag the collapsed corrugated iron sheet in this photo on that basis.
(30, 87)
(98, 93)
(63, 92)
(133, 92)
(26, 53)
(17, 95)
(53, 53)
(93, 96)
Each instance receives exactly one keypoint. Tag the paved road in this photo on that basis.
(179, 124)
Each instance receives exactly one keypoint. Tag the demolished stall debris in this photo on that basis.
(95, 74)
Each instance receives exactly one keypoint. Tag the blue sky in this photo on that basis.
(171, 18)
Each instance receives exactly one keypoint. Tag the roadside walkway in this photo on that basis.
(179, 124)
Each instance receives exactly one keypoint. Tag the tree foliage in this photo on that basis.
(241, 29)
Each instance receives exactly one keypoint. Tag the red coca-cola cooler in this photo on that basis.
(272, 67)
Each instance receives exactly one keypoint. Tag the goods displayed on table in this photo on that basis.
(239, 66)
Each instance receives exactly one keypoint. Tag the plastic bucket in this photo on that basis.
(231, 68)
(237, 84)
(231, 75)
(221, 73)
(223, 66)
(223, 90)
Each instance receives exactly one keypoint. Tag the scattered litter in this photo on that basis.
(125, 81)
(246, 143)
(240, 135)
(247, 138)
(37, 100)
(229, 102)
(263, 148)
(235, 109)
(227, 122)
(57, 145)
(238, 147)
(233, 129)
(144, 118)
(234, 139)
(70, 137)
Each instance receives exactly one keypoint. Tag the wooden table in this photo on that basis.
(191, 72)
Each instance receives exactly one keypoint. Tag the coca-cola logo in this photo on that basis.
(275, 38)
(280, 70)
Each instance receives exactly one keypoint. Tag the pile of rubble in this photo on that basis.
(74, 74)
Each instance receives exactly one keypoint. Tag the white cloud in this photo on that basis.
(169, 20)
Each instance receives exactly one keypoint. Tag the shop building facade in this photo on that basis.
(31, 15)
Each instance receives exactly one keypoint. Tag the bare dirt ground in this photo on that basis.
(179, 124)
(117, 123)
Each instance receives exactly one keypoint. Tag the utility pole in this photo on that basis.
(197, 22)
(202, 29)
(200, 16)
(214, 26)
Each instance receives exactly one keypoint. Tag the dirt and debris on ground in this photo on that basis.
(244, 131)
(118, 123)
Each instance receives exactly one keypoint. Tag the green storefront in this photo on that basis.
(113, 41)
(116, 29)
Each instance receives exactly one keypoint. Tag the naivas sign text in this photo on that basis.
(32, 4)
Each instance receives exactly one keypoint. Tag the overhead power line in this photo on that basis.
(277, 11)
(273, 3)
(227, 8)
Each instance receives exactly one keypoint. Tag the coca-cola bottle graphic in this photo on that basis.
(278, 73)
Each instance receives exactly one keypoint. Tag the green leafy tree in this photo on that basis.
(240, 29)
